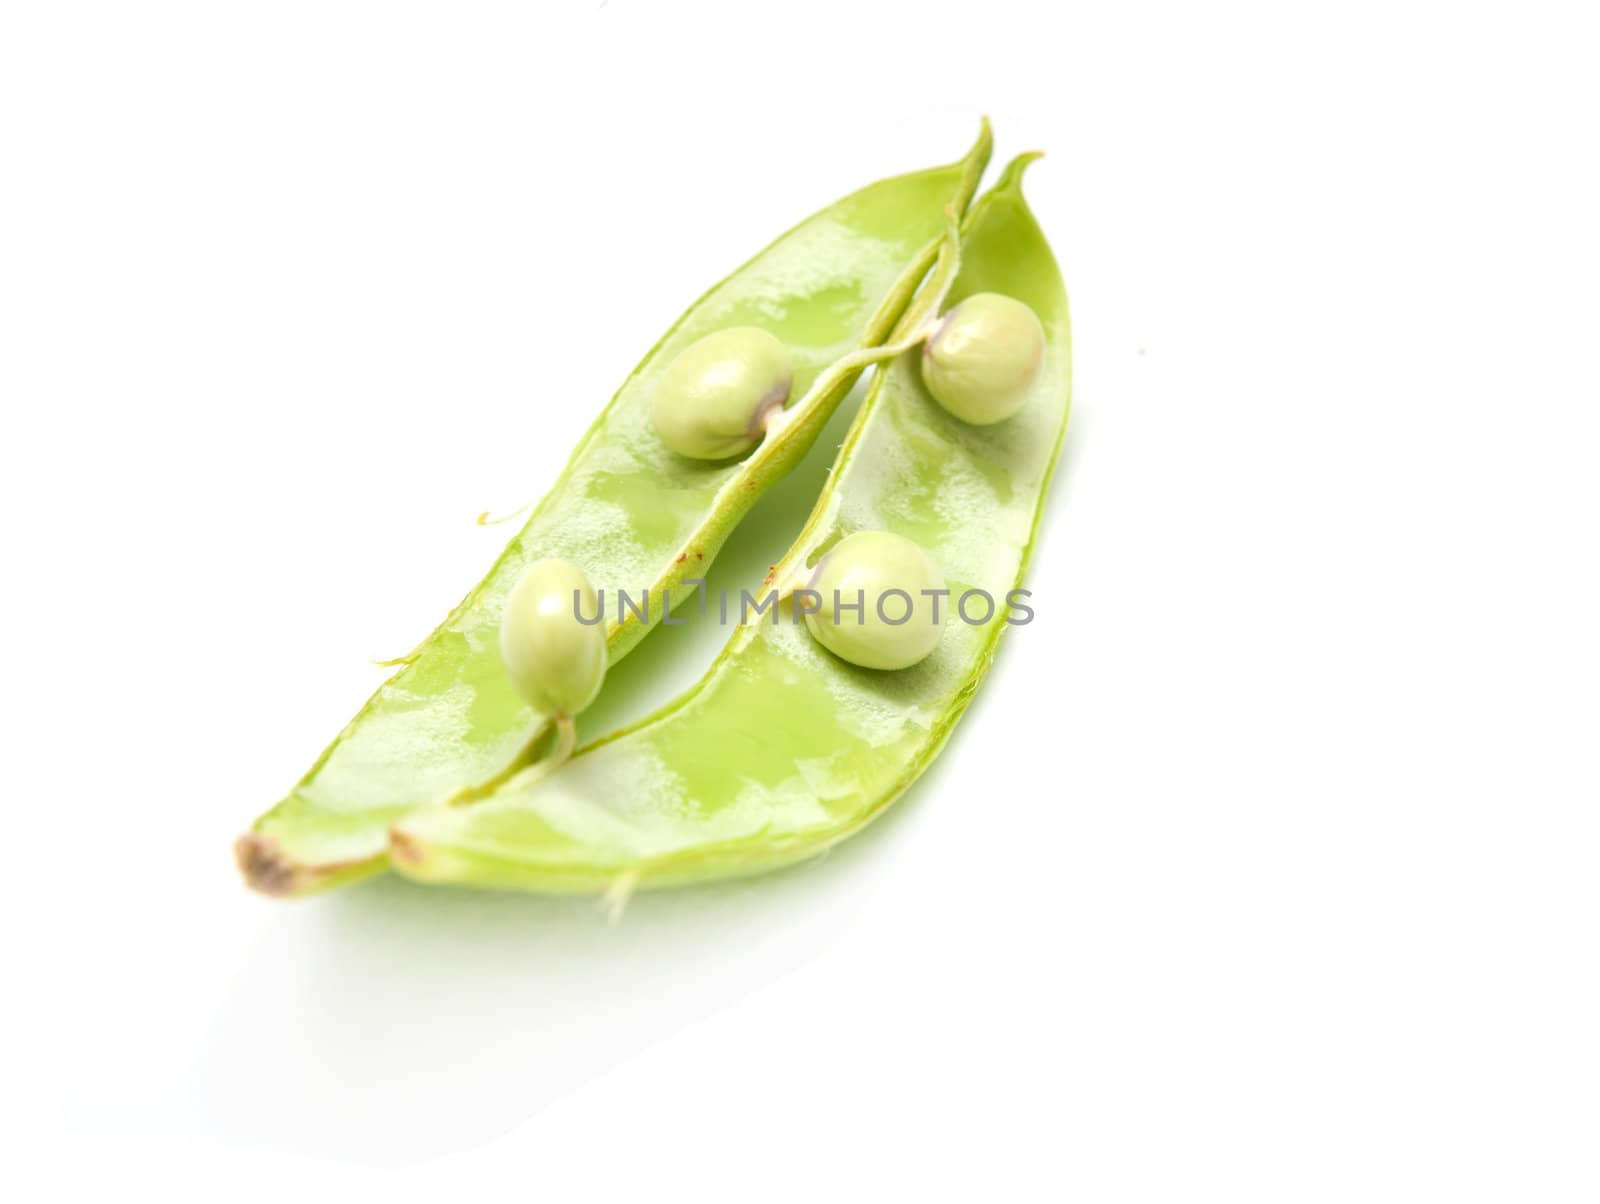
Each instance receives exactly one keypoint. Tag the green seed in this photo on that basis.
(714, 399)
(556, 662)
(983, 360)
(899, 593)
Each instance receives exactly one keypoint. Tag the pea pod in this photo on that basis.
(783, 749)
(630, 512)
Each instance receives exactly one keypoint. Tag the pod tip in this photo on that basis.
(983, 144)
(269, 868)
(265, 866)
(1011, 177)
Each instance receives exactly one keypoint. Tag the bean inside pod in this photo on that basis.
(716, 396)
(983, 360)
(556, 660)
(875, 600)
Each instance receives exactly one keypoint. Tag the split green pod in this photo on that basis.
(629, 512)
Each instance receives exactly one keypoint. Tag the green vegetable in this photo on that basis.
(553, 644)
(984, 359)
(556, 660)
(874, 600)
(449, 724)
(714, 401)
(783, 749)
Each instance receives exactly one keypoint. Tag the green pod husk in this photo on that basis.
(782, 749)
(448, 724)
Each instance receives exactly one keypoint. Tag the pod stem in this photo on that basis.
(919, 322)
(566, 741)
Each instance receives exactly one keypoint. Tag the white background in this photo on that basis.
(1264, 867)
